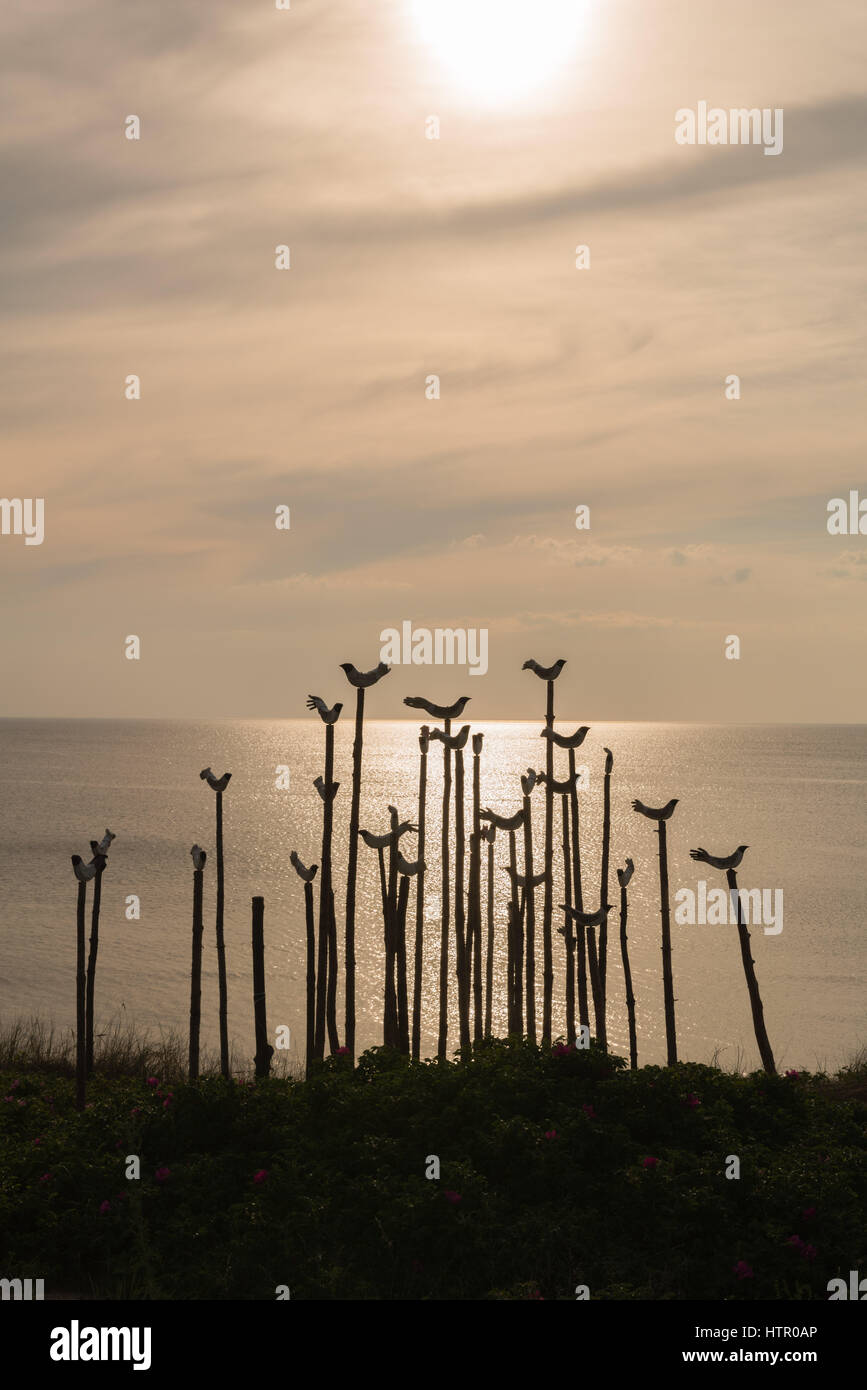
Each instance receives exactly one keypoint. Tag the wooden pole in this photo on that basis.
(596, 987)
(547, 900)
(311, 978)
(463, 975)
(758, 1012)
(391, 942)
(91, 963)
(603, 889)
(530, 921)
(580, 930)
(402, 996)
(424, 744)
(627, 977)
(196, 973)
(264, 1050)
(80, 1011)
(221, 945)
(475, 894)
(570, 940)
(667, 978)
(442, 1039)
(327, 924)
(331, 990)
(489, 961)
(352, 871)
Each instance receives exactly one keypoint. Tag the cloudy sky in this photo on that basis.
(411, 257)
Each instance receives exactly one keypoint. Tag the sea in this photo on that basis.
(794, 794)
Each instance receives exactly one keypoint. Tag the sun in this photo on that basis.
(498, 49)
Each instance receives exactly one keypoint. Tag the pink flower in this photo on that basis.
(8, 1097)
(167, 1102)
(106, 1206)
(453, 1197)
(161, 1174)
(808, 1213)
(37, 1142)
(563, 1049)
(743, 1270)
(46, 1177)
(261, 1175)
(692, 1100)
(22, 1102)
(535, 1294)
(136, 1110)
(794, 1074)
(342, 1052)
(649, 1162)
(795, 1241)
(809, 1252)
(15, 1085)
(550, 1134)
(589, 1111)
(153, 1081)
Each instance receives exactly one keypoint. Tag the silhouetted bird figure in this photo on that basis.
(405, 867)
(83, 872)
(528, 782)
(320, 787)
(624, 875)
(717, 861)
(664, 812)
(560, 787)
(567, 740)
(545, 673)
(328, 716)
(587, 919)
(304, 873)
(438, 711)
(391, 838)
(503, 822)
(362, 679)
(217, 784)
(478, 743)
(453, 741)
(199, 856)
(104, 844)
(521, 880)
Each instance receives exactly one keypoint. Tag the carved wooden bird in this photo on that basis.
(478, 741)
(717, 861)
(528, 782)
(306, 874)
(561, 787)
(83, 872)
(503, 822)
(624, 875)
(363, 679)
(199, 857)
(104, 844)
(320, 787)
(410, 869)
(328, 716)
(567, 740)
(438, 711)
(587, 919)
(521, 880)
(664, 812)
(217, 784)
(452, 741)
(545, 673)
(391, 838)
(424, 738)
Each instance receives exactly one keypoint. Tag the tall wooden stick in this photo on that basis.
(474, 925)
(460, 916)
(567, 925)
(391, 934)
(596, 987)
(264, 1050)
(424, 744)
(667, 977)
(529, 917)
(327, 924)
(516, 952)
(80, 1012)
(623, 877)
(199, 858)
(352, 871)
(311, 979)
(91, 963)
(580, 934)
(442, 1040)
(400, 954)
(489, 960)
(547, 900)
(222, 984)
(765, 1051)
(603, 890)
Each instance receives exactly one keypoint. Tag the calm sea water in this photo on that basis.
(795, 795)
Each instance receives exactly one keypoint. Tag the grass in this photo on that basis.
(321, 1185)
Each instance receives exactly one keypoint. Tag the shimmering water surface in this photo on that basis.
(794, 794)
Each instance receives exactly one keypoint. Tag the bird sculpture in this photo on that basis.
(567, 740)
(362, 680)
(391, 838)
(528, 782)
(199, 857)
(624, 875)
(217, 784)
(561, 787)
(301, 870)
(545, 673)
(438, 711)
(320, 787)
(83, 872)
(717, 861)
(328, 716)
(410, 869)
(503, 822)
(587, 919)
(104, 844)
(478, 743)
(664, 812)
(522, 880)
(453, 741)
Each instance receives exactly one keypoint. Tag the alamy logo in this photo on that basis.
(738, 126)
(22, 1289)
(445, 646)
(719, 908)
(23, 516)
(102, 1344)
(856, 1291)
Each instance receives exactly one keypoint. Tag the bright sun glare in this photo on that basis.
(498, 49)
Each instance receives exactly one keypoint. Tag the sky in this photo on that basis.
(602, 387)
